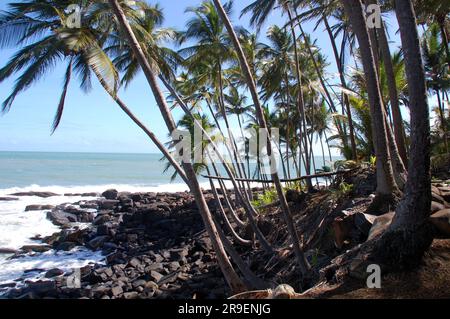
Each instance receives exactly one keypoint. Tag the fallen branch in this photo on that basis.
(282, 180)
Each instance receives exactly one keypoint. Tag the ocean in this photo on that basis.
(63, 173)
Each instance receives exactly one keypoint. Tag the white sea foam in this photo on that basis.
(14, 269)
(17, 227)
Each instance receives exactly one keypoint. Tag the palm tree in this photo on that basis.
(230, 274)
(386, 185)
(260, 11)
(437, 72)
(303, 264)
(53, 41)
(403, 245)
(206, 58)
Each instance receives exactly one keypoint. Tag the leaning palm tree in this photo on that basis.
(45, 26)
(302, 262)
(260, 11)
(230, 274)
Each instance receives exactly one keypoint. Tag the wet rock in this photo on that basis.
(61, 218)
(66, 246)
(38, 207)
(108, 203)
(42, 287)
(110, 194)
(92, 194)
(101, 219)
(97, 242)
(8, 199)
(38, 194)
(8, 285)
(89, 205)
(7, 251)
(75, 236)
(55, 272)
(36, 248)
(137, 197)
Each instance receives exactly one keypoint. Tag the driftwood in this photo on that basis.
(282, 180)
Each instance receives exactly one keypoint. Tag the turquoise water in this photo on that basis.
(42, 169)
(20, 169)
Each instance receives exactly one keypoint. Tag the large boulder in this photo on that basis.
(380, 224)
(61, 218)
(110, 194)
(441, 221)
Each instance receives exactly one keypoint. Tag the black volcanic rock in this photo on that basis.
(110, 194)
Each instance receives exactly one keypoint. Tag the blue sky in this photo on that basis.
(93, 122)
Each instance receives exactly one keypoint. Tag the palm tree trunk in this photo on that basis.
(300, 100)
(386, 185)
(443, 119)
(232, 278)
(409, 235)
(344, 85)
(228, 225)
(399, 129)
(303, 263)
(242, 196)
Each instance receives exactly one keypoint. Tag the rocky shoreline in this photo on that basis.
(154, 245)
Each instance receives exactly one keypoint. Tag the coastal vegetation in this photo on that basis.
(385, 111)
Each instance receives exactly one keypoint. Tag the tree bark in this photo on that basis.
(409, 235)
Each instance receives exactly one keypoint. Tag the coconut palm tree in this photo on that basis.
(230, 274)
(403, 245)
(386, 184)
(437, 72)
(302, 262)
(260, 12)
